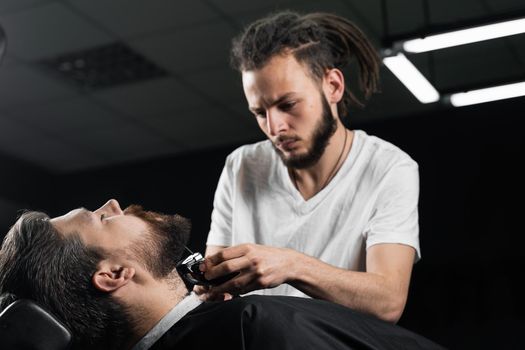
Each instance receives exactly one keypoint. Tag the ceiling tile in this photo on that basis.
(404, 16)
(516, 45)
(476, 63)
(365, 14)
(205, 127)
(9, 6)
(201, 104)
(124, 142)
(22, 84)
(150, 97)
(237, 6)
(142, 16)
(237, 111)
(440, 11)
(392, 99)
(246, 12)
(204, 46)
(503, 6)
(38, 148)
(223, 84)
(67, 116)
(53, 30)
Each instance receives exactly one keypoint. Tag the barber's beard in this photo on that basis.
(321, 135)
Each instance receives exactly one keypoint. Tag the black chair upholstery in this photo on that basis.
(3, 43)
(26, 326)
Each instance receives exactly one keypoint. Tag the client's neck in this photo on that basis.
(153, 302)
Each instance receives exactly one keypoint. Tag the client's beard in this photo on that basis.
(161, 250)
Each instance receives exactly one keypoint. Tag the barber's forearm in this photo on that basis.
(363, 291)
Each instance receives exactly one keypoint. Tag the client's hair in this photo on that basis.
(38, 263)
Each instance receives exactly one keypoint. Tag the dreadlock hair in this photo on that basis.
(319, 40)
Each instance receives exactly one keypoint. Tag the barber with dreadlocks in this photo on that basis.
(317, 210)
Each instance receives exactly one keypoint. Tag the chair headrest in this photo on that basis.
(3, 43)
(25, 325)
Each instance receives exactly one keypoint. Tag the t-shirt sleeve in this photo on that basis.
(221, 218)
(395, 215)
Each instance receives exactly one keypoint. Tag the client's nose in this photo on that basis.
(111, 208)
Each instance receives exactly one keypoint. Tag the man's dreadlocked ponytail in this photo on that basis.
(320, 40)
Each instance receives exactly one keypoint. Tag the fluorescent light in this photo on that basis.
(408, 74)
(488, 94)
(465, 36)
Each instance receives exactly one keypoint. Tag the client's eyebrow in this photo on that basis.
(85, 216)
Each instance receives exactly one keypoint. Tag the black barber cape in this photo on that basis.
(278, 322)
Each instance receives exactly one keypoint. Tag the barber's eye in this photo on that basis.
(287, 106)
(259, 114)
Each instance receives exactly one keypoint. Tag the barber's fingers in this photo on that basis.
(226, 267)
(229, 253)
(212, 296)
(206, 293)
(243, 283)
(199, 290)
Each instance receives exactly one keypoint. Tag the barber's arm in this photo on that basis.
(391, 238)
(381, 290)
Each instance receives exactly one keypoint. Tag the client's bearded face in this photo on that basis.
(163, 246)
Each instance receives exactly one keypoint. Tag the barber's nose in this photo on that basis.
(111, 208)
(275, 122)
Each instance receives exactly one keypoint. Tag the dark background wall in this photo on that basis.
(464, 292)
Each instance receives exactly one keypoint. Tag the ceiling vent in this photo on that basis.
(104, 66)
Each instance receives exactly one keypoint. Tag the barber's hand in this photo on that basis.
(205, 294)
(259, 267)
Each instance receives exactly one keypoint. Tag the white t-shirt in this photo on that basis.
(372, 199)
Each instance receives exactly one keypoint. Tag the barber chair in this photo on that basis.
(23, 324)
(3, 43)
(26, 326)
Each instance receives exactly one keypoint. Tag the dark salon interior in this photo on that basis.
(135, 100)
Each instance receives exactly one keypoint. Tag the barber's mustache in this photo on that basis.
(283, 138)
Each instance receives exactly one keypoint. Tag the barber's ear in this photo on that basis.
(334, 85)
(110, 277)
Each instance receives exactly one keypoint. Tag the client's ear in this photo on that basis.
(110, 277)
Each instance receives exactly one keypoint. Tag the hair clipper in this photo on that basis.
(189, 270)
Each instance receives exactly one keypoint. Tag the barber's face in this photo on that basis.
(290, 109)
(155, 239)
